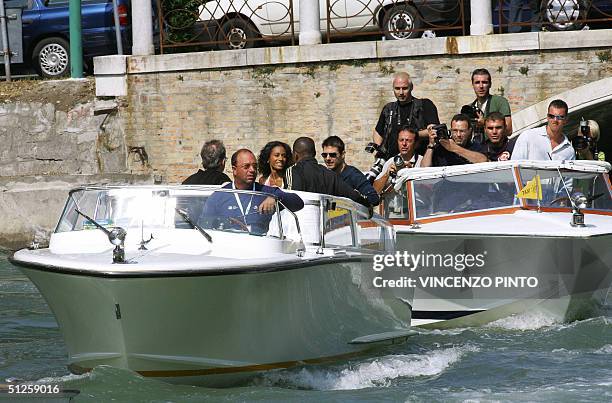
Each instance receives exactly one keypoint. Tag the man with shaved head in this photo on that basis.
(309, 176)
(407, 111)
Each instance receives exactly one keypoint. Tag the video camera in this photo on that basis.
(380, 154)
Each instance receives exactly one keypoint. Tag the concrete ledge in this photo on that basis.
(460, 45)
(110, 72)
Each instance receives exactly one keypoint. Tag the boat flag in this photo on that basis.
(532, 190)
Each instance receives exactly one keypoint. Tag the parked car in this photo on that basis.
(46, 34)
(238, 24)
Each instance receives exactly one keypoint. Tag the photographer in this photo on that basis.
(485, 103)
(407, 141)
(407, 111)
(454, 148)
(585, 141)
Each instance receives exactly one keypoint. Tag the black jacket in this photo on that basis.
(309, 176)
(208, 177)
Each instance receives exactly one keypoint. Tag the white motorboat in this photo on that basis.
(486, 253)
(209, 304)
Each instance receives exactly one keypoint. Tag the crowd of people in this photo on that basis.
(408, 134)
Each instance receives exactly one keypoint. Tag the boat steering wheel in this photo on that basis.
(241, 224)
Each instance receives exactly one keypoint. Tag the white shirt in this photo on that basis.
(534, 144)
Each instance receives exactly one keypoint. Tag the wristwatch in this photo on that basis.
(429, 146)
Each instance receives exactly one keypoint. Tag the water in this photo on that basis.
(522, 358)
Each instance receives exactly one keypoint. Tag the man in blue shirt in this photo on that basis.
(246, 212)
(334, 157)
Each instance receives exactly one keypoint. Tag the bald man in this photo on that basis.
(408, 111)
(309, 176)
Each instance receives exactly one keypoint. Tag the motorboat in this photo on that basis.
(139, 278)
(483, 248)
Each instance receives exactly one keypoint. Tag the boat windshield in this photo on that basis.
(557, 192)
(149, 208)
(464, 192)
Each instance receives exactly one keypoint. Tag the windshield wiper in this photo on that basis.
(116, 235)
(186, 217)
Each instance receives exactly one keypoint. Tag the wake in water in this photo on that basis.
(525, 321)
(378, 372)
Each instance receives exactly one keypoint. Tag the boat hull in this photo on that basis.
(218, 329)
(573, 274)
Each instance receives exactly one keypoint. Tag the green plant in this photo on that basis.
(179, 17)
(333, 66)
(604, 55)
(358, 62)
(262, 74)
(501, 91)
(180, 77)
(458, 70)
(317, 94)
(524, 70)
(387, 70)
(500, 69)
(311, 71)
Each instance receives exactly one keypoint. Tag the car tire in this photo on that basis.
(563, 15)
(237, 33)
(401, 17)
(51, 57)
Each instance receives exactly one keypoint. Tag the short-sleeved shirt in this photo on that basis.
(427, 115)
(534, 144)
(502, 152)
(496, 103)
(444, 158)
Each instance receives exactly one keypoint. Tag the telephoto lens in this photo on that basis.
(375, 170)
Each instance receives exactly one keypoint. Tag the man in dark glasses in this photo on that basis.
(546, 142)
(334, 157)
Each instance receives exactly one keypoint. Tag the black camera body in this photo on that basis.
(380, 153)
(441, 131)
(471, 111)
(585, 141)
(399, 163)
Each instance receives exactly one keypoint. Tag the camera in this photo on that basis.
(441, 131)
(470, 111)
(380, 153)
(582, 142)
(399, 163)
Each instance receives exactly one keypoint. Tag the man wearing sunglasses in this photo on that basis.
(334, 157)
(546, 142)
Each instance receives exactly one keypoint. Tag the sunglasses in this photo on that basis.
(556, 117)
(331, 155)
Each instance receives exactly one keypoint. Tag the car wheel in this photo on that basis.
(51, 57)
(563, 15)
(401, 22)
(237, 34)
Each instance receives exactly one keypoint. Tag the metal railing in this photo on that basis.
(395, 19)
(239, 24)
(552, 15)
(224, 24)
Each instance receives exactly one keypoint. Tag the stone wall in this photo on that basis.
(47, 149)
(171, 113)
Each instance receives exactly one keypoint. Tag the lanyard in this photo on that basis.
(248, 207)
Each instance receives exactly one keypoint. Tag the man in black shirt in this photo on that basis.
(213, 161)
(458, 150)
(419, 114)
(309, 176)
(497, 147)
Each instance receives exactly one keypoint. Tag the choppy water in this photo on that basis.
(524, 358)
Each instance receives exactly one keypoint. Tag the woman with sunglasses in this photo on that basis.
(273, 161)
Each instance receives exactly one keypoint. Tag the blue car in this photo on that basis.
(45, 32)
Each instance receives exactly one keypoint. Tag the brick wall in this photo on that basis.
(171, 114)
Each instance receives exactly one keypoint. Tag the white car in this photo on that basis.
(240, 23)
